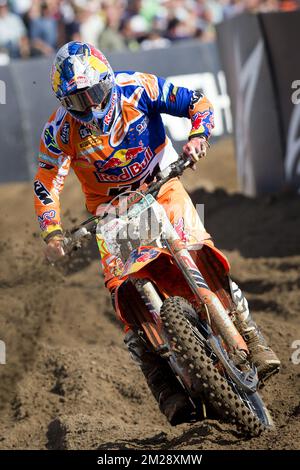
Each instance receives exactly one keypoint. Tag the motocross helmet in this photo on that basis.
(84, 82)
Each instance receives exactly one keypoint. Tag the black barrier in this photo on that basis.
(282, 35)
(13, 167)
(29, 99)
(262, 66)
(259, 146)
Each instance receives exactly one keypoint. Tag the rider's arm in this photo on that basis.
(48, 182)
(163, 97)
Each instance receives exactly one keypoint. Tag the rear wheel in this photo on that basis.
(194, 359)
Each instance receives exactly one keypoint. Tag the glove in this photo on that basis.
(195, 148)
(54, 249)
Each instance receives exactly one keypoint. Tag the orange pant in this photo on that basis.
(183, 216)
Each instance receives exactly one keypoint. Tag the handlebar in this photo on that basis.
(176, 169)
(87, 228)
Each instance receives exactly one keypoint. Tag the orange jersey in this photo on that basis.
(131, 154)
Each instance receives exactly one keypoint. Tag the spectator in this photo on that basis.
(115, 24)
(20, 7)
(90, 20)
(233, 8)
(129, 36)
(182, 26)
(43, 28)
(71, 22)
(215, 10)
(111, 39)
(155, 41)
(13, 38)
(288, 5)
(269, 5)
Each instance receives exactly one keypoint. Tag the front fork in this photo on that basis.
(220, 319)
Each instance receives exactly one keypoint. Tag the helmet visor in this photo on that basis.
(92, 97)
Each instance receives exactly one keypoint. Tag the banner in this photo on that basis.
(282, 34)
(261, 62)
(257, 129)
(13, 167)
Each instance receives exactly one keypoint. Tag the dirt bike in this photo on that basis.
(177, 298)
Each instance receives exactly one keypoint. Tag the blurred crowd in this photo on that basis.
(38, 28)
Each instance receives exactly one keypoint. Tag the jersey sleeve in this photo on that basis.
(53, 167)
(162, 96)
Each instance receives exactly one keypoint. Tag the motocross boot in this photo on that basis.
(261, 355)
(170, 396)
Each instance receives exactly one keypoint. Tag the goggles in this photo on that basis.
(92, 97)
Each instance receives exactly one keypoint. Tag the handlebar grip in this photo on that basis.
(73, 242)
(80, 233)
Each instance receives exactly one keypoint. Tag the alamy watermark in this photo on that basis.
(295, 357)
(2, 92)
(148, 224)
(295, 97)
(2, 352)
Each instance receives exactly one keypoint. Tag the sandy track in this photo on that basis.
(68, 382)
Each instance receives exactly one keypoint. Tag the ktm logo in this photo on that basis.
(42, 193)
(120, 158)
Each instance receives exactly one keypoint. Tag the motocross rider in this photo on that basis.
(108, 128)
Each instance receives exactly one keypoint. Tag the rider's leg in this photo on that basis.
(182, 213)
(172, 400)
(262, 356)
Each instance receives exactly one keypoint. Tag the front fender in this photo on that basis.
(140, 258)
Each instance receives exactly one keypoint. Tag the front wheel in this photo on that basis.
(197, 369)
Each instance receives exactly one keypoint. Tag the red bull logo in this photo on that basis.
(122, 157)
(124, 165)
(198, 119)
(46, 219)
(146, 255)
(141, 255)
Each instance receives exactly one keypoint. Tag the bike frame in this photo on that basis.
(175, 248)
